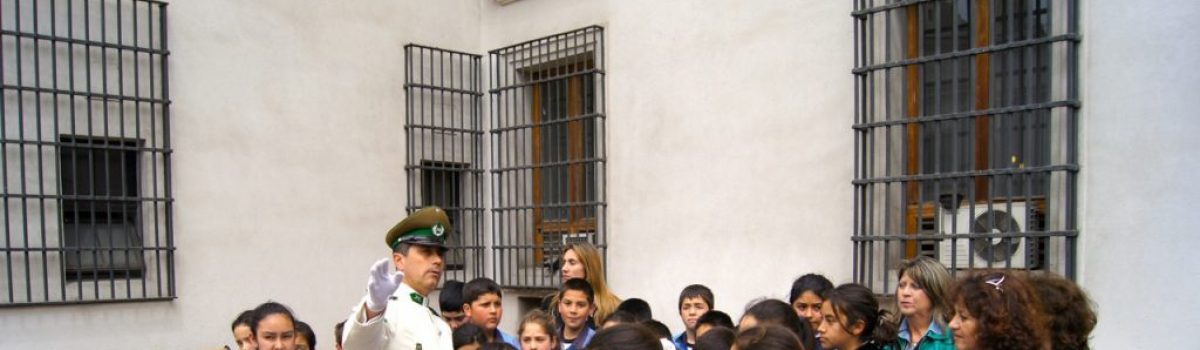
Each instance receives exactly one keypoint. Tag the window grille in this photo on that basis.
(965, 128)
(444, 137)
(548, 159)
(85, 155)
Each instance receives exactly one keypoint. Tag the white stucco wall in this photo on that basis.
(729, 152)
(287, 127)
(1138, 138)
(730, 157)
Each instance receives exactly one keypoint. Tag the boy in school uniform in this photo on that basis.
(482, 307)
(694, 301)
(576, 303)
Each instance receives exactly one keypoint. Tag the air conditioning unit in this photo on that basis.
(1002, 217)
(569, 238)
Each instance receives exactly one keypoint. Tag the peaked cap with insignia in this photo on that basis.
(428, 226)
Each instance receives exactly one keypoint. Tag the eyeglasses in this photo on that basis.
(997, 282)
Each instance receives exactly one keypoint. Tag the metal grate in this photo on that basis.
(548, 159)
(444, 133)
(85, 156)
(965, 128)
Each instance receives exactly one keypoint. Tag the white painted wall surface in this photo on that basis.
(730, 151)
(287, 127)
(730, 157)
(1139, 140)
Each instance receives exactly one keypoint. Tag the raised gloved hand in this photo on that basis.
(382, 284)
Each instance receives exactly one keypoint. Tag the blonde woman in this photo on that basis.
(582, 260)
(923, 299)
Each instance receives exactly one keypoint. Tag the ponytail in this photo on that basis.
(886, 330)
(857, 303)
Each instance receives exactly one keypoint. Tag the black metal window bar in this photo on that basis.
(548, 159)
(444, 134)
(85, 152)
(965, 130)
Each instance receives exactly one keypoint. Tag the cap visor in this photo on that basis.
(441, 246)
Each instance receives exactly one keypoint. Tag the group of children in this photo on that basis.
(569, 325)
(272, 325)
(991, 310)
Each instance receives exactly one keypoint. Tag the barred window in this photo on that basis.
(548, 153)
(85, 155)
(444, 140)
(965, 128)
(100, 235)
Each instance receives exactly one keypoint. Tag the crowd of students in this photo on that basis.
(983, 310)
(272, 326)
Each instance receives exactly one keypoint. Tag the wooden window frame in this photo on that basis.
(577, 219)
(921, 216)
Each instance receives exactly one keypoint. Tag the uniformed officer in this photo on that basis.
(395, 314)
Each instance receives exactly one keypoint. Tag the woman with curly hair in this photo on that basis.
(1069, 315)
(997, 310)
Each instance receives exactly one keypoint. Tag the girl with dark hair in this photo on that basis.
(273, 327)
(808, 292)
(807, 295)
(997, 310)
(468, 336)
(241, 330)
(499, 345)
(922, 297)
(625, 337)
(717, 338)
(773, 311)
(306, 339)
(851, 320)
(767, 337)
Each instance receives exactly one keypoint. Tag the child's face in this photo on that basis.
(454, 318)
(302, 343)
(276, 331)
(485, 311)
(242, 335)
(574, 308)
(808, 306)
(691, 310)
(534, 337)
(833, 334)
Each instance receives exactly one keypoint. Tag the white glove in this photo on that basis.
(381, 285)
